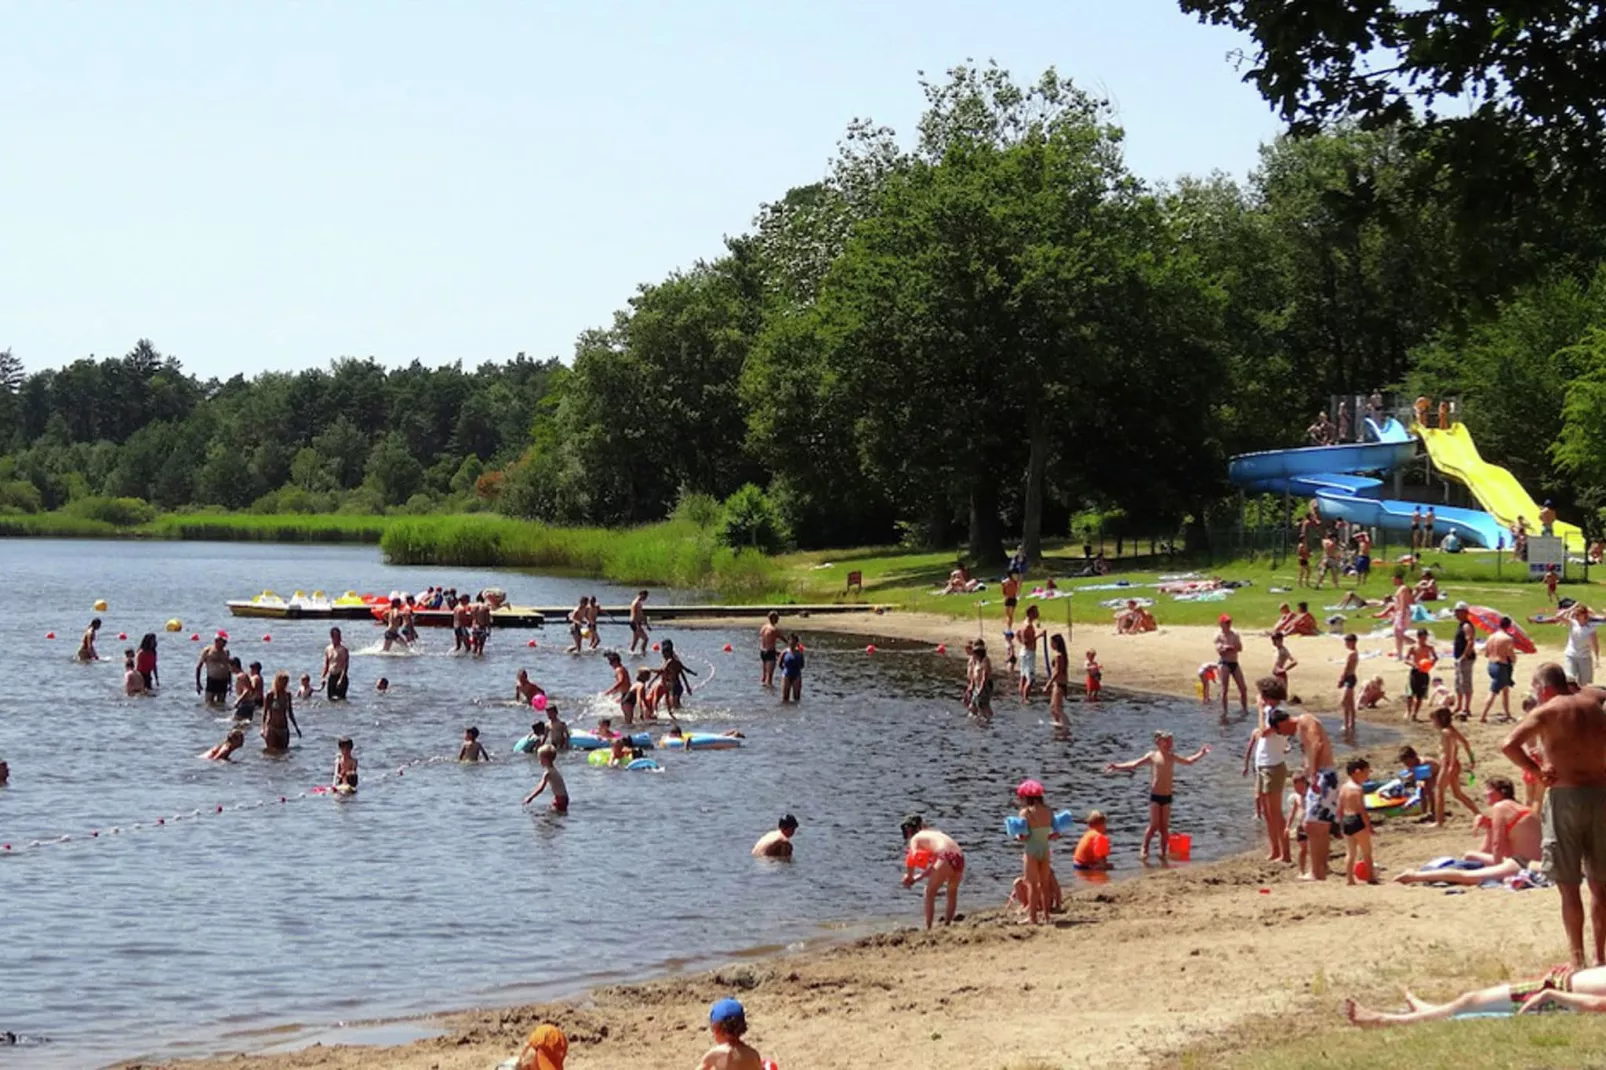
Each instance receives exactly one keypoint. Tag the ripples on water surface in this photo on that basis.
(436, 889)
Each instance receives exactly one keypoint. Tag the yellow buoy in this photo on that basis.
(100, 605)
(175, 625)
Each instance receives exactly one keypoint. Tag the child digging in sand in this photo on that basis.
(1093, 849)
(1162, 762)
(1354, 822)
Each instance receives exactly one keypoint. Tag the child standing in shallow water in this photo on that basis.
(550, 778)
(345, 766)
(1162, 762)
(1039, 831)
(1095, 677)
(979, 686)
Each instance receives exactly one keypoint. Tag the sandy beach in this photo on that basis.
(1202, 957)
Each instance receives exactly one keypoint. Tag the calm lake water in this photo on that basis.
(435, 890)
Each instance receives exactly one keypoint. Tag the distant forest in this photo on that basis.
(984, 330)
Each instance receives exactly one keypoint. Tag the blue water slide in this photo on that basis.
(1333, 476)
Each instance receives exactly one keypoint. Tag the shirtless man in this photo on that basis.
(1363, 557)
(638, 622)
(462, 618)
(1329, 565)
(1321, 798)
(578, 617)
(336, 662)
(777, 843)
(393, 624)
(769, 634)
(593, 615)
(1027, 637)
(1228, 647)
(1571, 731)
(524, 688)
(1501, 654)
(215, 660)
(479, 625)
(940, 862)
(1010, 589)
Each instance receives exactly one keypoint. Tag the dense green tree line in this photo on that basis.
(972, 333)
(357, 437)
(988, 329)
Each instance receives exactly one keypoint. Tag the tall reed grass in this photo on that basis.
(289, 527)
(675, 553)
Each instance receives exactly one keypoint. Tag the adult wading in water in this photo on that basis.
(278, 715)
(215, 660)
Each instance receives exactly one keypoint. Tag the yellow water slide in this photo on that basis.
(1496, 489)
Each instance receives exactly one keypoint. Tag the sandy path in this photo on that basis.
(1132, 973)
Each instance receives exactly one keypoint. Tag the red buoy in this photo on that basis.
(870, 649)
(50, 635)
(122, 635)
(267, 638)
(727, 648)
(942, 648)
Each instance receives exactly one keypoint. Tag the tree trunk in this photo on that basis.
(986, 529)
(1031, 538)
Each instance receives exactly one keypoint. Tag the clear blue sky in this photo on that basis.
(258, 185)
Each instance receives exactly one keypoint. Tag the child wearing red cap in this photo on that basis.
(1228, 647)
(1039, 831)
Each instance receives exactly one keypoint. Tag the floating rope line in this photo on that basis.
(198, 814)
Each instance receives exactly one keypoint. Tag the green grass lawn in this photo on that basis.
(908, 581)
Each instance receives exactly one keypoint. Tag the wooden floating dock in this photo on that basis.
(537, 616)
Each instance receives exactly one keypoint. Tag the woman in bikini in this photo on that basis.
(1059, 679)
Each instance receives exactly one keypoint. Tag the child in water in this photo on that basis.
(550, 778)
(305, 690)
(979, 683)
(220, 753)
(792, 671)
(1354, 821)
(1095, 677)
(1039, 831)
(472, 749)
(133, 682)
(728, 1023)
(345, 766)
(1162, 762)
(383, 686)
(1093, 849)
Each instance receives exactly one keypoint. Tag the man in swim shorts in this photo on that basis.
(1363, 557)
(769, 634)
(1321, 796)
(638, 623)
(1027, 637)
(1501, 654)
(1571, 732)
(336, 660)
(480, 625)
(215, 660)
